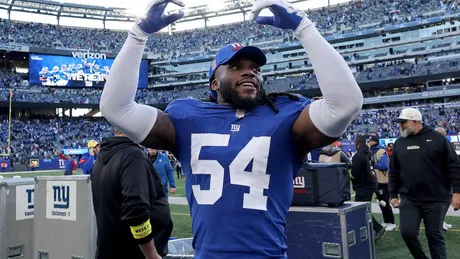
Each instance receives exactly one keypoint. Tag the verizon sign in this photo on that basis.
(79, 54)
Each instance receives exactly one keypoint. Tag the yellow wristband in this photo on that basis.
(142, 230)
(351, 176)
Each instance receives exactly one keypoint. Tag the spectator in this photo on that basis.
(88, 159)
(381, 164)
(164, 169)
(132, 213)
(364, 179)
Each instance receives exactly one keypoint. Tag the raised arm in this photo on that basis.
(141, 123)
(323, 121)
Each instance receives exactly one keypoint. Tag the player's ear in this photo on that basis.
(215, 84)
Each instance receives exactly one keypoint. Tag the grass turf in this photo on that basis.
(391, 246)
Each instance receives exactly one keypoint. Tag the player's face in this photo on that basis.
(97, 149)
(240, 83)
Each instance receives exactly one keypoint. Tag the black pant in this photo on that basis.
(432, 213)
(383, 195)
(178, 172)
(366, 195)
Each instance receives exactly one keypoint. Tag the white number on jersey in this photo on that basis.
(256, 151)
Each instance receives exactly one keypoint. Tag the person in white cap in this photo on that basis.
(423, 170)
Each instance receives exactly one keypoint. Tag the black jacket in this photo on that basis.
(362, 170)
(424, 167)
(126, 193)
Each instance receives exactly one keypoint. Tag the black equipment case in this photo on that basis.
(320, 184)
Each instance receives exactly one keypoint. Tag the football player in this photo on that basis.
(241, 150)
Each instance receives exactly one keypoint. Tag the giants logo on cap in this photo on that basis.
(237, 46)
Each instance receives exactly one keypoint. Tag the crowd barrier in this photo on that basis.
(52, 217)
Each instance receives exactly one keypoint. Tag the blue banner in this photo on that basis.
(192, 58)
(47, 164)
(350, 35)
(412, 24)
(77, 71)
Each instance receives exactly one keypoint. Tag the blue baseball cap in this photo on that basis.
(227, 53)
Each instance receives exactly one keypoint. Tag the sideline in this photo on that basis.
(375, 207)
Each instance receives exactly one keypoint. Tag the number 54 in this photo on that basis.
(257, 150)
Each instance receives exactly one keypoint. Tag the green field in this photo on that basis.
(391, 246)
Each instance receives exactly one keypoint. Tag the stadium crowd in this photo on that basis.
(336, 19)
(47, 136)
(23, 92)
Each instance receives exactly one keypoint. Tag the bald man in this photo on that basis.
(441, 130)
(445, 226)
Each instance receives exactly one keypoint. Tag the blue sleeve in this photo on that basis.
(170, 173)
(179, 111)
(87, 166)
(383, 164)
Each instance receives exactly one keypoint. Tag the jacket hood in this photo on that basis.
(330, 150)
(424, 130)
(110, 146)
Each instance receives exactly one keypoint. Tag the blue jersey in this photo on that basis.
(86, 163)
(239, 169)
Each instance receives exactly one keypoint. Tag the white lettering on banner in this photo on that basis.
(441, 93)
(79, 54)
(25, 197)
(10, 47)
(61, 164)
(299, 182)
(88, 77)
(61, 199)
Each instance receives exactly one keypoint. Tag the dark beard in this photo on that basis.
(231, 96)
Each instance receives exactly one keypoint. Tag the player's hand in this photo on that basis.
(456, 201)
(172, 190)
(91, 152)
(395, 203)
(286, 16)
(154, 18)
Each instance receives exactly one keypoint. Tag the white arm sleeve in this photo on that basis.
(117, 99)
(342, 97)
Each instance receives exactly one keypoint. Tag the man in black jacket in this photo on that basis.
(423, 169)
(132, 213)
(364, 179)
